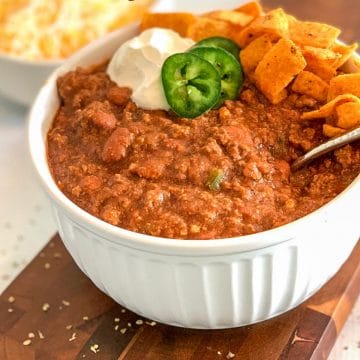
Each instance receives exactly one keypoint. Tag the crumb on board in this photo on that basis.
(85, 318)
(31, 335)
(27, 342)
(151, 323)
(116, 328)
(73, 337)
(230, 355)
(45, 307)
(10, 310)
(66, 303)
(11, 299)
(68, 327)
(47, 266)
(123, 310)
(41, 335)
(95, 348)
(123, 330)
(139, 322)
(116, 319)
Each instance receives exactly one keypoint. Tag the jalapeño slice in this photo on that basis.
(228, 67)
(221, 42)
(191, 84)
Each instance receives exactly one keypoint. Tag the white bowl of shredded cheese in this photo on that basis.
(37, 35)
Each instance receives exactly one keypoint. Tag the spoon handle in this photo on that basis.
(325, 148)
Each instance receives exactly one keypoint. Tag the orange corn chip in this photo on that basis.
(313, 33)
(351, 66)
(254, 52)
(274, 23)
(179, 22)
(330, 107)
(344, 84)
(291, 20)
(278, 98)
(233, 17)
(310, 84)
(206, 27)
(321, 62)
(345, 52)
(326, 56)
(252, 8)
(332, 131)
(278, 68)
(348, 115)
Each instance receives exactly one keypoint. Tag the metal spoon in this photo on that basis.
(326, 147)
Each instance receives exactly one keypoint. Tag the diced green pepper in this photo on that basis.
(215, 178)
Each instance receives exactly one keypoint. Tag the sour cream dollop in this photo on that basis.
(137, 65)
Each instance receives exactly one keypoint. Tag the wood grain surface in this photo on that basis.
(80, 316)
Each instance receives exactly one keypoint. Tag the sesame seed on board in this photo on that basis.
(230, 355)
(45, 307)
(151, 323)
(95, 348)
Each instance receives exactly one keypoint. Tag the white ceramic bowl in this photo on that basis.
(22, 79)
(193, 283)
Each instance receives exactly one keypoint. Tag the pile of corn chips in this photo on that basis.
(280, 52)
(54, 29)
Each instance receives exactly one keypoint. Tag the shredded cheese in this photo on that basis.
(54, 29)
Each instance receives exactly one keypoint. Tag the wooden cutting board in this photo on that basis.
(307, 332)
(80, 322)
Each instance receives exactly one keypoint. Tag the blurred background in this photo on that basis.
(341, 13)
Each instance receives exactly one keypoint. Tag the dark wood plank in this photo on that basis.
(307, 332)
